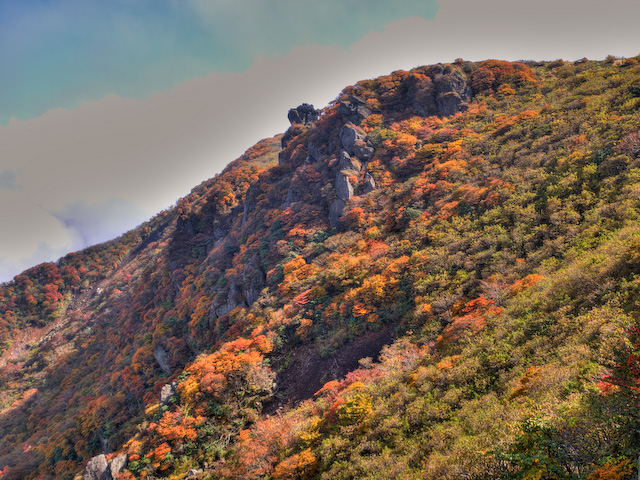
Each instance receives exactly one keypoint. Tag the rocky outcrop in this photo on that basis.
(223, 304)
(363, 151)
(370, 183)
(349, 135)
(314, 152)
(354, 110)
(95, 469)
(253, 280)
(250, 202)
(168, 391)
(160, 354)
(304, 114)
(99, 469)
(292, 197)
(442, 91)
(336, 210)
(355, 151)
(344, 189)
(347, 162)
(348, 166)
(116, 466)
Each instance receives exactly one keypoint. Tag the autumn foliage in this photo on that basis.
(472, 314)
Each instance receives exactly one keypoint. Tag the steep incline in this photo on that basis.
(428, 278)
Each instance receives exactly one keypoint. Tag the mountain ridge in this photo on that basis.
(448, 255)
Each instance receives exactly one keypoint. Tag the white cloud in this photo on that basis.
(147, 153)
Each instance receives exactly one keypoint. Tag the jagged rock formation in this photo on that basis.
(354, 109)
(443, 91)
(349, 135)
(304, 114)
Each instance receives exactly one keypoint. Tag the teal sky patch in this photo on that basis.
(61, 53)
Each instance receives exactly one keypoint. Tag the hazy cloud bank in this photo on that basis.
(71, 178)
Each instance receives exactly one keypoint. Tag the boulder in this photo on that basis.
(253, 280)
(304, 114)
(95, 469)
(344, 189)
(116, 465)
(349, 135)
(354, 110)
(452, 93)
(363, 151)
(349, 163)
(370, 183)
(224, 304)
(168, 391)
(194, 473)
(250, 202)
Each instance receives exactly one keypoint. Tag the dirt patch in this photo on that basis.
(308, 371)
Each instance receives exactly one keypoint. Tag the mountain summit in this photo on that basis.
(435, 276)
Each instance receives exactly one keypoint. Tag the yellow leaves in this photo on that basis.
(355, 408)
(151, 410)
(355, 386)
(295, 264)
(263, 343)
(401, 144)
(311, 433)
(188, 390)
(505, 90)
(374, 289)
(294, 271)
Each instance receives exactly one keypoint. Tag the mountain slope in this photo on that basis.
(480, 219)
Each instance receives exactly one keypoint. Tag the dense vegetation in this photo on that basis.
(474, 313)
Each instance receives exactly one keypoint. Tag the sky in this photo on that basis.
(111, 110)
